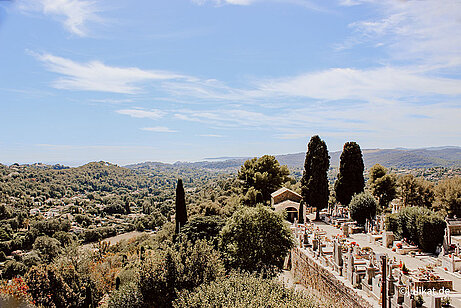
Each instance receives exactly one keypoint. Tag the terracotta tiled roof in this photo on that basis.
(282, 190)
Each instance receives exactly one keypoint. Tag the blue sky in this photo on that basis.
(132, 81)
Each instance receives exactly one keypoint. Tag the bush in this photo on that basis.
(164, 273)
(256, 239)
(129, 296)
(48, 288)
(206, 228)
(13, 268)
(65, 238)
(241, 291)
(51, 226)
(431, 230)
(391, 222)
(158, 278)
(48, 248)
(420, 225)
(362, 207)
(91, 235)
(5, 247)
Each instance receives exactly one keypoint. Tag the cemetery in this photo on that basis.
(366, 266)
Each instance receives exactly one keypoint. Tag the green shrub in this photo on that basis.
(5, 247)
(49, 289)
(129, 296)
(241, 291)
(207, 228)
(48, 248)
(420, 225)
(164, 273)
(431, 230)
(13, 268)
(362, 207)
(392, 222)
(256, 239)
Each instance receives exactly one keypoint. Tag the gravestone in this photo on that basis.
(436, 302)
(345, 227)
(306, 238)
(388, 238)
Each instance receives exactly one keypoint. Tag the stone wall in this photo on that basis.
(310, 273)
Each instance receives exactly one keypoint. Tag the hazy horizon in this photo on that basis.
(125, 163)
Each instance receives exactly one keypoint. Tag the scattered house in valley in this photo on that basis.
(288, 200)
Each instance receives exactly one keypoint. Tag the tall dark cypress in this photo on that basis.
(314, 183)
(181, 212)
(301, 213)
(350, 178)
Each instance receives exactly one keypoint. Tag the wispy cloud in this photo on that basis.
(74, 14)
(427, 32)
(159, 129)
(112, 101)
(211, 135)
(380, 83)
(97, 76)
(353, 2)
(304, 3)
(367, 85)
(142, 113)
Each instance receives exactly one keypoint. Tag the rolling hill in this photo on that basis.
(449, 156)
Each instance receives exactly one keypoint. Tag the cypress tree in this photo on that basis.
(301, 213)
(350, 178)
(181, 212)
(314, 183)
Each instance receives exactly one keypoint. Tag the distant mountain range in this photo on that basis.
(391, 158)
(449, 156)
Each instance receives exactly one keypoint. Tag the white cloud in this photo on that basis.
(380, 83)
(427, 32)
(353, 2)
(211, 135)
(367, 85)
(159, 129)
(304, 3)
(112, 101)
(141, 113)
(74, 14)
(96, 76)
(221, 2)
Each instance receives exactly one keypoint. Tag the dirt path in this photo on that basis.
(115, 239)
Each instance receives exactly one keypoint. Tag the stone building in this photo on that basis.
(288, 200)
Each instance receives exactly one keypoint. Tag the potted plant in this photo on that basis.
(446, 302)
(419, 301)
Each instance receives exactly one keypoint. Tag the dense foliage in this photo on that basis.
(415, 191)
(362, 207)
(383, 185)
(314, 183)
(48, 212)
(256, 239)
(241, 291)
(350, 178)
(448, 196)
(262, 176)
(418, 224)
